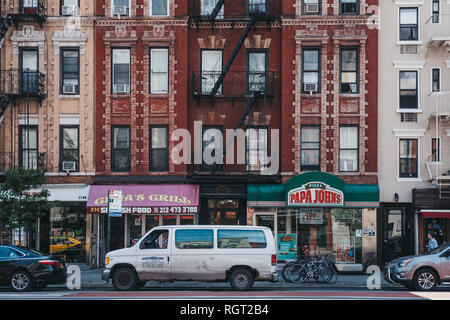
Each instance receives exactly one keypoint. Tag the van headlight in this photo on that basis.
(404, 264)
(107, 261)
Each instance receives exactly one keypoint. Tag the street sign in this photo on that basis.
(115, 203)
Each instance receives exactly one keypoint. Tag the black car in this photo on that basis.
(22, 269)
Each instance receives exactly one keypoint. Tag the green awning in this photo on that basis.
(362, 195)
(271, 195)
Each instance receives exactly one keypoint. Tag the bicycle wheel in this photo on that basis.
(327, 273)
(297, 273)
(284, 272)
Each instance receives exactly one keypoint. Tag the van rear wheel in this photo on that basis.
(124, 279)
(241, 279)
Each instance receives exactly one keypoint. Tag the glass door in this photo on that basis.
(394, 233)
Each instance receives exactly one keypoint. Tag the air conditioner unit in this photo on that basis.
(310, 87)
(69, 165)
(312, 8)
(120, 10)
(69, 10)
(121, 88)
(69, 89)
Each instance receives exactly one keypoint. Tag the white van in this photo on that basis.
(238, 254)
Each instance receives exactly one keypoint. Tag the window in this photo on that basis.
(310, 70)
(121, 71)
(121, 7)
(9, 253)
(70, 7)
(256, 7)
(436, 11)
(159, 71)
(159, 148)
(256, 78)
(159, 8)
(348, 148)
(256, 149)
(349, 7)
(241, 239)
(194, 239)
(28, 145)
(207, 7)
(349, 70)
(408, 158)
(69, 146)
(409, 24)
(436, 79)
(408, 90)
(158, 239)
(211, 70)
(310, 148)
(436, 149)
(211, 143)
(312, 7)
(29, 79)
(30, 6)
(121, 149)
(70, 71)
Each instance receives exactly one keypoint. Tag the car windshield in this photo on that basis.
(439, 249)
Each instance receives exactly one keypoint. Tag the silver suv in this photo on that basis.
(422, 272)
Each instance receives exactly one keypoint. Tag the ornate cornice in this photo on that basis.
(28, 37)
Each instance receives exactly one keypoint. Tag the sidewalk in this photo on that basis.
(91, 278)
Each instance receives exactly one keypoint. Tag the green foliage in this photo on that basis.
(20, 205)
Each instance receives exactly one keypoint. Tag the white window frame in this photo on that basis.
(409, 134)
(151, 12)
(151, 71)
(409, 5)
(112, 70)
(112, 8)
(407, 66)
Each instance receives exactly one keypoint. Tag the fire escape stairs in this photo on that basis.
(4, 102)
(5, 24)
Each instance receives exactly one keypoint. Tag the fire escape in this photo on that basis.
(21, 83)
(253, 86)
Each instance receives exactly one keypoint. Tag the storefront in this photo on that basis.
(143, 207)
(432, 216)
(319, 213)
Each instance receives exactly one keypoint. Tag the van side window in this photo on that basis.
(241, 239)
(157, 239)
(194, 239)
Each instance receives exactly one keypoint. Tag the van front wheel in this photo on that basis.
(124, 279)
(241, 279)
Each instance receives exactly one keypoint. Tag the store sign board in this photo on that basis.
(315, 194)
(287, 246)
(115, 203)
(311, 216)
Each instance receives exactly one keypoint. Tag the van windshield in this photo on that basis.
(157, 239)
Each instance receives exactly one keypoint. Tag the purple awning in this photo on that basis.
(147, 199)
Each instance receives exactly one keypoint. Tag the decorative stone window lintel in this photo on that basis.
(28, 37)
(69, 37)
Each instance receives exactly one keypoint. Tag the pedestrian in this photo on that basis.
(440, 237)
(432, 243)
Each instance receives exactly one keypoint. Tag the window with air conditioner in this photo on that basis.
(310, 70)
(311, 7)
(69, 146)
(70, 72)
(70, 7)
(120, 7)
(121, 71)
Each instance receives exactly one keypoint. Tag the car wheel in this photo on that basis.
(425, 280)
(124, 279)
(241, 279)
(20, 281)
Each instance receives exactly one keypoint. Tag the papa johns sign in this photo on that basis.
(315, 194)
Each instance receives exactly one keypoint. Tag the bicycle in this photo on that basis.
(315, 267)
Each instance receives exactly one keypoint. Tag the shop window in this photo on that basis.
(408, 161)
(311, 70)
(207, 7)
(256, 149)
(409, 90)
(159, 8)
(211, 70)
(69, 148)
(348, 148)
(121, 152)
(409, 29)
(436, 149)
(159, 148)
(349, 70)
(310, 148)
(28, 147)
(194, 239)
(256, 72)
(349, 7)
(242, 239)
(159, 70)
(70, 72)
(121, 71)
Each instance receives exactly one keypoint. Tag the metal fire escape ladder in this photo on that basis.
(4, 102)
(232, 57)
(5, 24)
